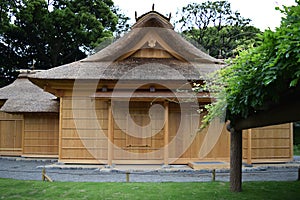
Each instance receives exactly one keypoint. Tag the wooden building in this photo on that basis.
(132, 102)
(28, 120)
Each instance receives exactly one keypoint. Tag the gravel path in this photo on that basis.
(25, 169)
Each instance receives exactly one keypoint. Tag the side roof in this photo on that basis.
(24, 96)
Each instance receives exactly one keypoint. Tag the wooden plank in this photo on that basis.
(8, 117)
(39, 156)
(10, 153)
(82, 161)
(80, 124)
(138, 162)
(110, 134)
(268, 160)
(188, 160)
(40, 138)
(10, 149)
(84, 147)
(272, 147)
(84, 103)
(151, 53)
(79, 142)
(166, 134)
(85, 138)
(39, 145)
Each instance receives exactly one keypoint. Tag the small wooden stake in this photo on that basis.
(43, 174)
(45, 177)
(213, 175)
(127, 176)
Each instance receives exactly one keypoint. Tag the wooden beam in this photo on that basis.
(23, 135)
(236, 151)
(280, 114)
(153, 96)
(110, 134)
(60, 135)
(166, 134)
(56, 92)
(249, 147)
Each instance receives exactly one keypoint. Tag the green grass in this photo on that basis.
(16, 189)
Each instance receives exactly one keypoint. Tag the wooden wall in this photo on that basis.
(85, 131)
(81, 139)
(83, 142)
(11, 126)
(268, 144)
(207, 145)
(41, 135)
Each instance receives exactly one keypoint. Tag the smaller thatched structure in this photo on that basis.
(23, 96)
(28, 119)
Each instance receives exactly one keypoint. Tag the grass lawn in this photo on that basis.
(16, 189)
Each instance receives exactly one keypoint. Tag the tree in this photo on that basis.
(216, 27)
(7, 57)
(43, 34)
(262, 85)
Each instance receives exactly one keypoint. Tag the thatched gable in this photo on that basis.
(153, 34)
(24, 96)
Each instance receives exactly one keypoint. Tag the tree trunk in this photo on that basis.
(235, 160)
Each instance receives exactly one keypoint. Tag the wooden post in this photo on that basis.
(61, 99)
(236, 144)
(291, 141)
(166, 134)
(249, 147)
(23, 134)
(110, 135)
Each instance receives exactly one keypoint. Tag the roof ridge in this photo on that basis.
(153, 19)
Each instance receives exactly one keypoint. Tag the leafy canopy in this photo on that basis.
(215, 26)
(261, 75)
(44, 34)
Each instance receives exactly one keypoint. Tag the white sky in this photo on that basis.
(261, 12)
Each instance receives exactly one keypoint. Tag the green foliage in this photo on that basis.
(15, 189)
(258, 78)
(216, 27)
(297, 150)
(42, 34)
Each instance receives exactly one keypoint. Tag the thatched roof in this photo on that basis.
(114, 61)
(24, 96)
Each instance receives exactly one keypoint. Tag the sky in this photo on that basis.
(261, 12)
